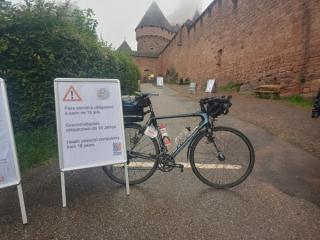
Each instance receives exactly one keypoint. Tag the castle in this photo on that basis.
(251, 42)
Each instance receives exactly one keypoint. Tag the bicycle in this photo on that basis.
(229, 165)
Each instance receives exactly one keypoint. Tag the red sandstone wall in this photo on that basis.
(257, 41)
(151, 64)
(154, 31)
(151, 44)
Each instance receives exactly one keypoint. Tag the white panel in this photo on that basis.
(89, 122)
(9, 167)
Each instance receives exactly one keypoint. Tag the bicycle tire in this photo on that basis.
(120, 177)
(231, 166)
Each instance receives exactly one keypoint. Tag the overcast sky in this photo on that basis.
(119, 18)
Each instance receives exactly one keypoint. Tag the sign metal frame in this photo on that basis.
(17, 182)
(59, 132)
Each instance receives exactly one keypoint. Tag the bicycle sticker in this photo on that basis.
(151, 132)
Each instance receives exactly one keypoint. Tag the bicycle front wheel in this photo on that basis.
(222, 159)
(139, 169)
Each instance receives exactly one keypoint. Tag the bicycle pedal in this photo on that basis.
(181, 166)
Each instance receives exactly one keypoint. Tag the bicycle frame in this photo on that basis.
(203, 123)
(153, 120)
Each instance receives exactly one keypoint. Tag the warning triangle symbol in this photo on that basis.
(72, 95)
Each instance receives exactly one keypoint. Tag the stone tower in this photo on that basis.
(154, 32)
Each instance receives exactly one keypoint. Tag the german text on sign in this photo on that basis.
(91, 127)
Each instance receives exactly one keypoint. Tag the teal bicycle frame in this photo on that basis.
(153, 121)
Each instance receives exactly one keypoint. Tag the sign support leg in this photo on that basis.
(63, 190)
(127, 178)
(22, 205)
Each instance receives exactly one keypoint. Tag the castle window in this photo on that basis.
(219, 57)
(235, 4)
(209, 12)
(151, 48)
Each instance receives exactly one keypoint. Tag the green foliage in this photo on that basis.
(230, 87)
(299, 101)
(36, 147)
(40, 41)
(171, 75)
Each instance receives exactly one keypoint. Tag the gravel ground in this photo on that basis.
(290, 123)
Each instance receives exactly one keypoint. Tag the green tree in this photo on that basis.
(40, 41)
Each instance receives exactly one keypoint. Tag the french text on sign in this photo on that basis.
(89, 125)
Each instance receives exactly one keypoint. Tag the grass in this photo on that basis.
(36, 147)
(299, 101)
(230, 87)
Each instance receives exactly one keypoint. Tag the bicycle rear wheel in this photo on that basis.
(139, 170)
(222, 159)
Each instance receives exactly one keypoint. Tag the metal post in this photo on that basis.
(22, 205)
(63, 190)
(127, 178)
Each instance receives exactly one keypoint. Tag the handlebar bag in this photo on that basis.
(214, 109)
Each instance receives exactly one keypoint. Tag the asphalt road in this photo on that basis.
(280, 200)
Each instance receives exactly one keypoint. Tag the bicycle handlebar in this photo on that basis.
(141, 94)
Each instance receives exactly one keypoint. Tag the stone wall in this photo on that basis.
(256, 41)
(153, 31)
(148, 66)
(151, 44)
(152, 39)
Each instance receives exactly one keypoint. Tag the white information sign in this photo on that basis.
(192, 87)
(90, 123)
(160, 81)
(9, 170)
(210, 86)
(9, 167)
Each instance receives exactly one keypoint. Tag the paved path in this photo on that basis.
(279, 200)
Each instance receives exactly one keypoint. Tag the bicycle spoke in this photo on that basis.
(224, 162)
(141, 151)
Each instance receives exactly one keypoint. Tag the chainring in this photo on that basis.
(166, 163)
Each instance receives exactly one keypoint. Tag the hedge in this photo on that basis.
(40, 41)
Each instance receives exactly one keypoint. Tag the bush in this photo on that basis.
(36, 147)
(41, 41)
(299, 101)
(171, 75)
(230, 87)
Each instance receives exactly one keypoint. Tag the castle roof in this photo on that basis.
(155, 18)
(124, 47)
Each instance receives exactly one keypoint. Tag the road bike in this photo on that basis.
(221, 157)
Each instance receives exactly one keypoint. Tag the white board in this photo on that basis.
(160, 81)
(192, 87)
(210, 86)
(9, 167)
(90, 123)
